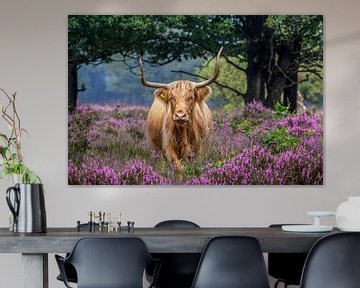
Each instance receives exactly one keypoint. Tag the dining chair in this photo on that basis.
(333, 262)
(232, 262)
(178, 269)
(108, 263)
(285, 267)
(70, 271)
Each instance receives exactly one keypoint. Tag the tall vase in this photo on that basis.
(27, 204)
(348, 214)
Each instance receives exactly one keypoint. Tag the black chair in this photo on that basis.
(108, 263)
(232, 262)
(178, 269)
(286, 267)
(69, 269)
(333, 262)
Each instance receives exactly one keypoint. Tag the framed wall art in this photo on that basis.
(195, 100)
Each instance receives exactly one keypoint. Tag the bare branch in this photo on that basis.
(228, 60)
(237, 92)
(298, 82)
(312, 71)
(14, 123)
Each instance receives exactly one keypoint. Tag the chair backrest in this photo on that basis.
(110, 262)
(178, 269)
(287, 267)
(232, 262)
(333, 262)
(176, 224)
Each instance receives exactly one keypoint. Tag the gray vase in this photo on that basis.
(28, 207)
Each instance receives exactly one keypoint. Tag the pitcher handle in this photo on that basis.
(13, 208)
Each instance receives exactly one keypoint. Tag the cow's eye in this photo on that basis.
(191, 98)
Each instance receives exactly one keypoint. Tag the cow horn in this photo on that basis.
(216, 72)
(147, 83)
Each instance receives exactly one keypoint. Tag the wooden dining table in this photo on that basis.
(35, 247)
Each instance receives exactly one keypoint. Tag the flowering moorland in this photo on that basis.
(107, 146)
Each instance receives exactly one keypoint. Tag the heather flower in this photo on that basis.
(245, 169)
(258, 166)
(108, 146)
(257, 111)
(302, 125)
(136, 172)
(93, 174)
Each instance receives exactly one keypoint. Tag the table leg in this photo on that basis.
(35, 270)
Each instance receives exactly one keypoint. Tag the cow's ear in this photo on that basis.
(162, 94)
(203, 93)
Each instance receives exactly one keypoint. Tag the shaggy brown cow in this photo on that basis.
(179, 120)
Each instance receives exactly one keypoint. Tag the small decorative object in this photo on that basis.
(348, 214)
(316, 227)
(104, 220)
(26, 203)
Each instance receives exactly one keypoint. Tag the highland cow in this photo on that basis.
(179, 120)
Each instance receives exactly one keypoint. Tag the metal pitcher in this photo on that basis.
(28, 207)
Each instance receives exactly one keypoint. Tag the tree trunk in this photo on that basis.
(280, 69)
(275, 90)
(291, 90)
(72, 87)
(255, 40)
(254, 80)
(290, 93)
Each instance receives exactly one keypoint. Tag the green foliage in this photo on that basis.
(281, 111)
(245, 125)
(279, 140)
(97, 38)
(117, 115)
(220, 163)
(162, 39)
(308, 29)
(26, 175)
(218, 120)
(192, 170)
(229, 76)
(80, 146)
(312, 89)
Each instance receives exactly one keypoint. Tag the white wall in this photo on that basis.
(33, 62)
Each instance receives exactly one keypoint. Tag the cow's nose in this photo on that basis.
(180, 114)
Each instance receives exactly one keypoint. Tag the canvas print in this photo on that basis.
(195, 100)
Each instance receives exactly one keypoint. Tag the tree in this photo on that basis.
(275, 48)
(296, 47)
(96, 39)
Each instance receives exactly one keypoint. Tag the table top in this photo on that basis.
(158, 240)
